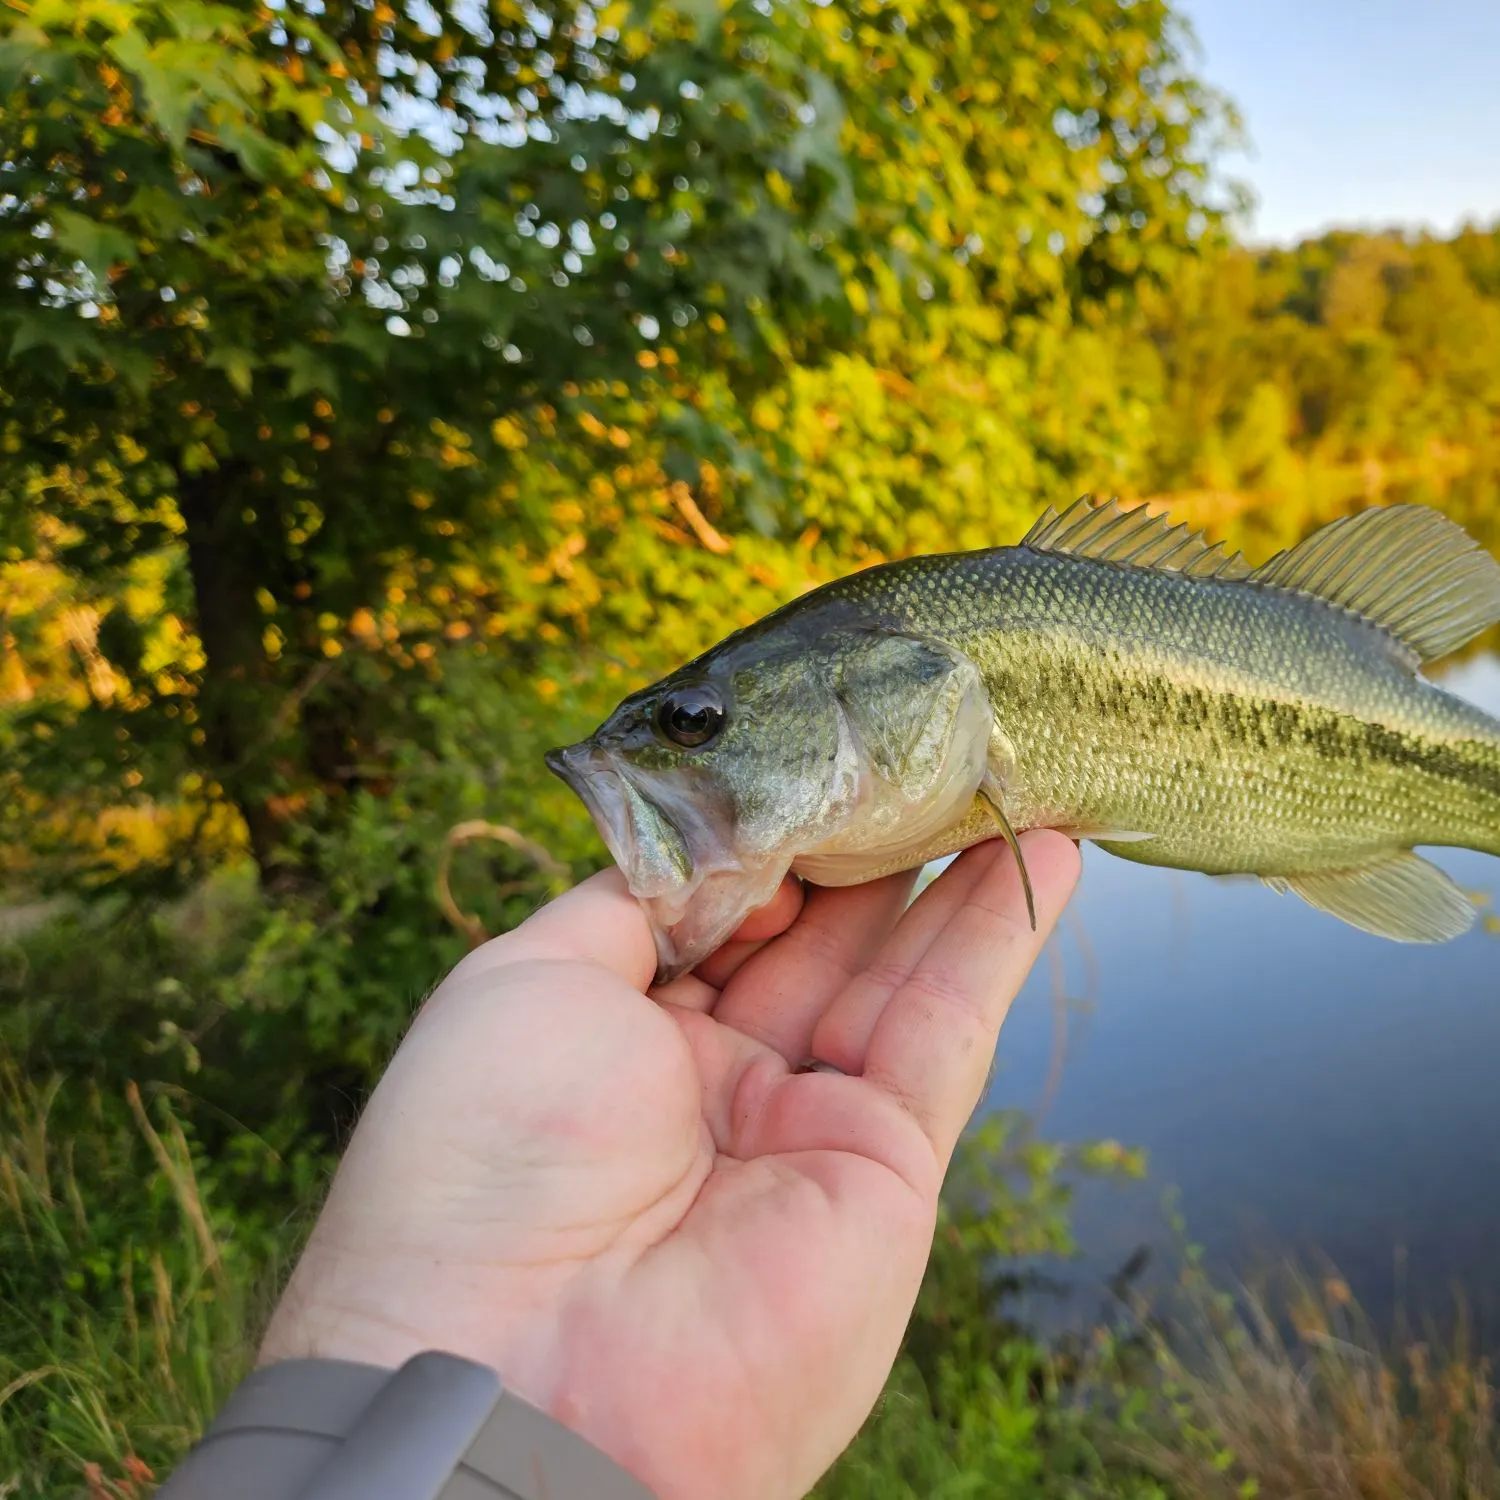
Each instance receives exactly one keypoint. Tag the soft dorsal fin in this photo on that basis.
(1131, 539)
(1405, 568)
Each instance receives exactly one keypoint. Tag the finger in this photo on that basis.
(780, 993)
(772, 919)
(759, 928)
(598, 921)
(843, 1033)
(931, 1030)
(724, 1059)
(686, 992)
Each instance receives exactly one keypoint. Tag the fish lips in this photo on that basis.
(593, 778)
(649, 845)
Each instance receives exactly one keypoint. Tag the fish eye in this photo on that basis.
(691, 716)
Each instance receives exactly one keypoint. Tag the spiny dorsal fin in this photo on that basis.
(1405, 568)
(1131, 539)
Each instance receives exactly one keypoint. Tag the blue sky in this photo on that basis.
(1360, 111)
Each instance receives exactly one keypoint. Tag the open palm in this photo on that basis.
(636, 1205)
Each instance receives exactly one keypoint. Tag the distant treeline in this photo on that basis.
(1353, 369)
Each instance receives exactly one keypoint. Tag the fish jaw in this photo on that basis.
(694, 889)
(687, 930)
(646, 845)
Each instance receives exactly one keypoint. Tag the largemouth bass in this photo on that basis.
(1112, 676)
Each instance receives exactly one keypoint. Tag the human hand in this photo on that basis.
(636, 1208)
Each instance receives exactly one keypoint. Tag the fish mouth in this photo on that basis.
(652, 847)
(676, 859)
(595, 781)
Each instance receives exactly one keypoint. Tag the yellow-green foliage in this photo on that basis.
(1352, 370)
(303, 399)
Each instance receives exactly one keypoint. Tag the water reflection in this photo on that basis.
(1305, 1087)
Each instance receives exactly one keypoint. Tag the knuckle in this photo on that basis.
(942, 991)
(885, 975)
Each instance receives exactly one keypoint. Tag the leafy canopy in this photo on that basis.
(310, 300)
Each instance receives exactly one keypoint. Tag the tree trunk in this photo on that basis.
(235, 546)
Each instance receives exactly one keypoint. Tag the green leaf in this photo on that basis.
(258, 153)
(29, 50)
(196, 21)
(706, 16)
(132, 366)
(117, 15)
(161, 211)
(308, 372)
(238, 366)
(168, 94)
(61, 331)
(98, 246)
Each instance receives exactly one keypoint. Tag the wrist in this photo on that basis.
(437, 1428)
(310, 1323)
(383, 1309)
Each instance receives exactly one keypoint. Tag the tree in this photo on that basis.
(257, 305)
(1295, 385)
(290, 279)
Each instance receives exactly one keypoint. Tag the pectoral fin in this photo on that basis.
(1405, 898)
(989, 791)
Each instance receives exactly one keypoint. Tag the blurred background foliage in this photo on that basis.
(386, 389)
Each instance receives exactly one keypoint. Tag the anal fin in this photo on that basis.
(1405, 898)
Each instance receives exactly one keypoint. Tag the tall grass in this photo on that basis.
(1291, 1394)
(123, 1318)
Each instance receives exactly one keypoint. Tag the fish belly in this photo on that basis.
(977, 824)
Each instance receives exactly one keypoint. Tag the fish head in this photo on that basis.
(705, 785)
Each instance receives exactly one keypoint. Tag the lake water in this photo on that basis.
(1303, 1087)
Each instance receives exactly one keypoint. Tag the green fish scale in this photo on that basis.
(1242, 728)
